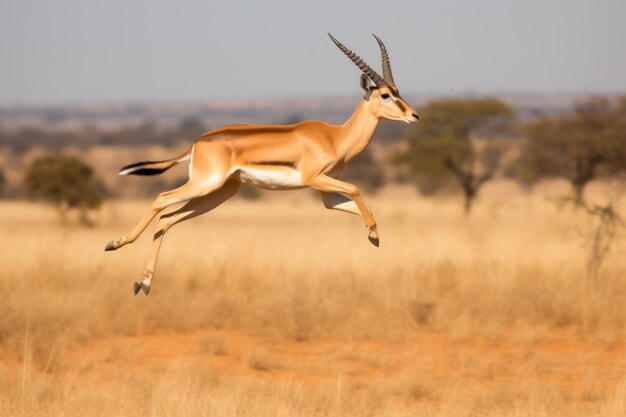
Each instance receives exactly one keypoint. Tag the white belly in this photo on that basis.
(271, 178)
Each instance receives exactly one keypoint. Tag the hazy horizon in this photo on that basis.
(74, 52)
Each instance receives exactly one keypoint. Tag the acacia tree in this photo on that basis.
(66, 182)
(444, 146)
(578, 146)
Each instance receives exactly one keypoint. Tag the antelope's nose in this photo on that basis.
(416, 116)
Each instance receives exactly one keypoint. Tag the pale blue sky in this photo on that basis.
(77, 51)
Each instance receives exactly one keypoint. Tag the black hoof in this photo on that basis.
(374, 240)
(110, 246)
(136, 287)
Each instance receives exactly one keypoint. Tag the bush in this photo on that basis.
(66, 182)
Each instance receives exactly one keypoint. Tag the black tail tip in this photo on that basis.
(139, 168)
(142, 171)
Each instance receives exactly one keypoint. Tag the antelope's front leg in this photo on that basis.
(331, 185)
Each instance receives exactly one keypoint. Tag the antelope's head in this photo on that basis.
(381, 92)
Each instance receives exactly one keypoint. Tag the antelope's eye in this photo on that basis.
(385, 96)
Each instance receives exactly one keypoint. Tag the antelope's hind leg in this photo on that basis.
(209, 170)
(181, 194)
(193, 208)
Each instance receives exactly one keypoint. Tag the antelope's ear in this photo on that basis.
(366, 86)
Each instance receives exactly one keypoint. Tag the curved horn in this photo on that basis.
(367, 70)
(388, 77)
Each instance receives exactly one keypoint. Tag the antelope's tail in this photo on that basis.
(154, 167)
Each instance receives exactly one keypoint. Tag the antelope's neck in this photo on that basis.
(357, 132)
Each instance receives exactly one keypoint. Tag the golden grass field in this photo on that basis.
(281, 308)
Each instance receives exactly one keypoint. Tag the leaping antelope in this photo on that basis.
(307, 154)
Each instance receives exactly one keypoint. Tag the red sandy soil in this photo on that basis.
(567, 363)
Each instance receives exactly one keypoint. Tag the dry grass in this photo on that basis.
(290, 273)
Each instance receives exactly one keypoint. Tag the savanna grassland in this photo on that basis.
(279, 307)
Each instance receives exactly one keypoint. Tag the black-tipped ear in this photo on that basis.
(366, 86)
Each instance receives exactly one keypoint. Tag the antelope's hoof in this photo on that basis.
(373, 237)
(110, 246)
(145, 286)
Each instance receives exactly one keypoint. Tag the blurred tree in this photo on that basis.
(191, 128)
(390, 131)
(444, 145)
(22, 140)
(3, 180)
(66, 182)
(365, 172)
(578, 146)
(292, 119)
(249, 192)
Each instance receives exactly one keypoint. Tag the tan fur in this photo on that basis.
(308, 154)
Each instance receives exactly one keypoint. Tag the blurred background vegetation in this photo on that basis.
(459, 145)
